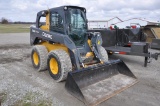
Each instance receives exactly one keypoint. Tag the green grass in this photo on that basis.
(14, 28)
(3, 97)
(28, 100)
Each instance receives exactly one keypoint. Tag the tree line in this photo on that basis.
(4, 20)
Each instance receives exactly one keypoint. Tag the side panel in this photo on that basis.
(37, 35)
(54, 46)
(155, 44)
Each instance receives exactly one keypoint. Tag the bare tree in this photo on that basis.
(4, 20)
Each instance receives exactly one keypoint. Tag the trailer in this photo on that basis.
(155, 44)
(153, 35)
(128, 42)
(137, 49)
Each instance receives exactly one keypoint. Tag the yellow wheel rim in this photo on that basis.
(35, 58)
(53, 65)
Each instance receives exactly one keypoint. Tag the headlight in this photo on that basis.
(65, 8)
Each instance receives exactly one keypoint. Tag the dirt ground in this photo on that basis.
(20, 83)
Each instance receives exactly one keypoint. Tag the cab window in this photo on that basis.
(56, 24)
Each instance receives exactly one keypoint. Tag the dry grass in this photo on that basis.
(30, 99)
(3, 97)
(14, 28)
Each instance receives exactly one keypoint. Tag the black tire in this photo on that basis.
(62, 64)
(40, 52)
(103, 53)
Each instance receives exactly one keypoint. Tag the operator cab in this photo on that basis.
(68, 20)
(77, 25)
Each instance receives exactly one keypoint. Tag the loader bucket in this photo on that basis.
(96, 84)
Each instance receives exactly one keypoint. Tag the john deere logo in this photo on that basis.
(47, 35)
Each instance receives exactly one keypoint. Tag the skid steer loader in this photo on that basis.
(63, 45)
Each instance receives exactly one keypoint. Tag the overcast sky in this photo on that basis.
(25, 10)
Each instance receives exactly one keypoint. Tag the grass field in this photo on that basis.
(14, 28)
